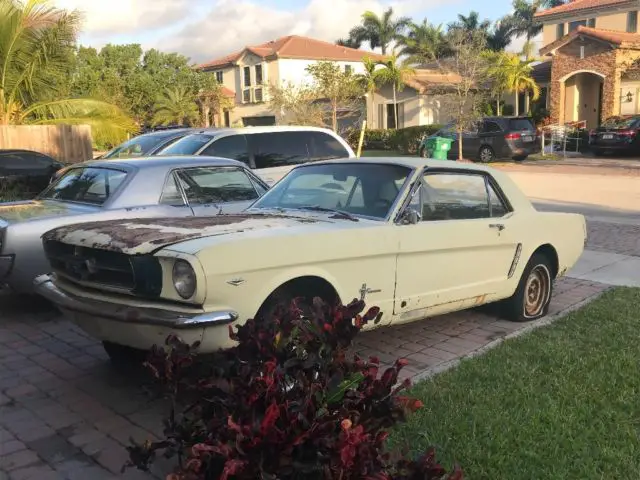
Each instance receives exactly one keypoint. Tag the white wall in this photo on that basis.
(294, 71)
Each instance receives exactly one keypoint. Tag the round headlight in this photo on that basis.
(184, 279)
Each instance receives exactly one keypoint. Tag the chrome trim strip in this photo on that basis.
(516, 259)
(44, 286)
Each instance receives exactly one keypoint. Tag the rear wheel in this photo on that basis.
(532, 297)
(486, 154)
(520, 158)
(123, 357)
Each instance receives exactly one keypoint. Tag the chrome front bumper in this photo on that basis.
(44, 286)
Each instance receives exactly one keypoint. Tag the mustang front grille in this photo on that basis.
(137, 275)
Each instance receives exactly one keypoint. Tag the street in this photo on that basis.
(66, 414)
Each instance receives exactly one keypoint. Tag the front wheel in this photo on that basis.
(123, 357)
(486, 154)
(532, 297)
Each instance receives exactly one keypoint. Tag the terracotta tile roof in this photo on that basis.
(227, 92)
(578, 5)
(621, 39)
(294, 46)
(423, 79)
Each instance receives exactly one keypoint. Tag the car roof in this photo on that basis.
(159, 161)
(410, 162)
(265, 129)
(164, 133)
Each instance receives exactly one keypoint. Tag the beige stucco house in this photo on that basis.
(593, 48)
(246, 74)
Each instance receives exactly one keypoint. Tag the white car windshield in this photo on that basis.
(359, 189)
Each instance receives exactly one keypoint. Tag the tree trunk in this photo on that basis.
(334, 117)
(460, 157)
(517, 106)
(395, 108)
(498, 104)
(527, 106)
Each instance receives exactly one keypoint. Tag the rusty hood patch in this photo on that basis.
(140, 236)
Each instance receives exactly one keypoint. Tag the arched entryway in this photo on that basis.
(582, 97)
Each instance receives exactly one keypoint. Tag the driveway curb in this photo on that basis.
(543, 322)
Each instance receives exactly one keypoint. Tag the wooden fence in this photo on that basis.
(66, 143)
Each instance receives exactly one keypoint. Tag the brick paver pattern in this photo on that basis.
(66, 414)
(611, 237)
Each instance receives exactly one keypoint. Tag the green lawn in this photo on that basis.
(559, 403)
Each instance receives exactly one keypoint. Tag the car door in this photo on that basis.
(213, 190)
(492, 136)
(461, 250)
(471, 141)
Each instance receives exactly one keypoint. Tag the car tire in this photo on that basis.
(533, 295)
(123, 357)
(486, 154)
(520, 158)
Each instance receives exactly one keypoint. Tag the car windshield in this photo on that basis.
(138, 146)
(620, 122)
(189, 145)
(92, 185)
(360, 189)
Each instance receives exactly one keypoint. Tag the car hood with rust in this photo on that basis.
(143, 236)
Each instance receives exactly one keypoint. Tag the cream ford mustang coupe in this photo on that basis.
(415, 237)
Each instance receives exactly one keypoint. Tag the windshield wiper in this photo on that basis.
(336, 213)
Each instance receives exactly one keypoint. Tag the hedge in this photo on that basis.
(404, 140)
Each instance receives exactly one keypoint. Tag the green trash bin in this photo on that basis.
(438, 147)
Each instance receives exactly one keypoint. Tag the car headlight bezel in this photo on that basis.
(184, 279)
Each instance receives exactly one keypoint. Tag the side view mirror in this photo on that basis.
(410, 217)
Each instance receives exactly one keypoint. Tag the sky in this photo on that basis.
(206, 29)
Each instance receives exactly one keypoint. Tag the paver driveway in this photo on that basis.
(64, 413)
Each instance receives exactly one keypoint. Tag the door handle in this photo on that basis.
(498, 226)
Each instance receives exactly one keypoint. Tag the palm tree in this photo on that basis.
(423, 43)
(370, 79)
(470, 23)
(36, 43)
(516, 74)
(394, 73)
(500, 36)
(379, 31)
(497, 72)
(523, 21)
(349, 42)
(176, 106)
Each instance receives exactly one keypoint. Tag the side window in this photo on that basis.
(454, 196)
(498, 208)
(491, 127)
(171, 194)
(324, 147)
(204, 185)
(279, 148)
(233, 147)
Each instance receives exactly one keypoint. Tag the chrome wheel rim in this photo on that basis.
(486, 155)
(536, 291)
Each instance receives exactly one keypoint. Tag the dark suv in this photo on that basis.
(620, 134)
(493, 138)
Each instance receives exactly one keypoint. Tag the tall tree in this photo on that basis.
(36, 51)
(518, 79)
(176, 106)
(523, 21)
(500, 35)
(467, 69)
(349, 42)
(395, 73)
(423, 43)
(470, 23)
(379, 31)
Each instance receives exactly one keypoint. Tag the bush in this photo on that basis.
(404, 140)
(286, 403)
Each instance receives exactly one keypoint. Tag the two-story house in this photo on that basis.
(593, 47)
(245, 75)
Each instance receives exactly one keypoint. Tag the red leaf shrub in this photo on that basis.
(285, 403)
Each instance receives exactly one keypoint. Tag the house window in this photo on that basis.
(258, 74)
(347, 69)
(391, 118)
(560, 30)
(591, 23)
(220, 77)
(246, 95)
(257, 95)
(632, 21)
(247, 76)
(574, 25)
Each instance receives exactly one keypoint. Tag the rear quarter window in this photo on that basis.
(519, 124)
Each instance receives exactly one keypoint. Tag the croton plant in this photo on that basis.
(287, 402)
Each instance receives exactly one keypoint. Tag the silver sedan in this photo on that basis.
(116, 189)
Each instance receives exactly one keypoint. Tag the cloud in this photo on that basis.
(206, 29)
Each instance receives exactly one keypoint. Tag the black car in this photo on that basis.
(25, 173)
(493, 138)
(619, 134)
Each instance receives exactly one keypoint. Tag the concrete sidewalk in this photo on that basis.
(608, 268)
